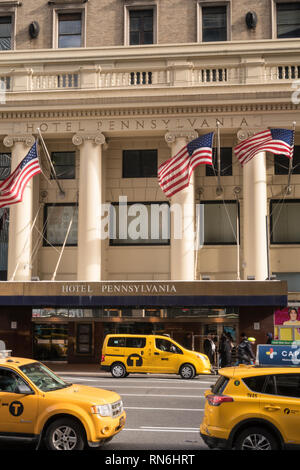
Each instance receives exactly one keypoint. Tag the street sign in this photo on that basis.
(279, 355)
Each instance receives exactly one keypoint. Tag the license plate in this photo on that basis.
(122, 421)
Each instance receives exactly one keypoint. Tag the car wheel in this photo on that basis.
(118, 370)
(187, 371)
(65, 434)
(256, 438)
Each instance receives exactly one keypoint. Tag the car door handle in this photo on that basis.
(156, 354)
(272, 408)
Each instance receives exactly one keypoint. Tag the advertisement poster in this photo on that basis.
(287, 325)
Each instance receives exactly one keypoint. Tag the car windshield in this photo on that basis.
(43, 377)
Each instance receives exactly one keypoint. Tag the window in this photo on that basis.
(167, 346)
(220, 385)
(116, 342)
(140, 27)
(5, 33)
(139, 224)
(11, 382)
(255, 384)
(69, 30)
(214, 23)
(283, 221)
(64, 164)
(57, 218)
(135, 342)
(225, 160)
(286, 385)
(84, 338)
(288, 20)
(281, 163)
(218, 221)
(5, 164)
(139, 163)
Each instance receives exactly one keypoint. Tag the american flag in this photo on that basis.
(278, 141)
(12, 188)
(175, 174)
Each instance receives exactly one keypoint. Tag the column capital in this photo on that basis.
(187, 135)
(96, 138)
(27, 139)
(244, 133)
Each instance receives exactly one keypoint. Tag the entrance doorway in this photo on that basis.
(50, 341)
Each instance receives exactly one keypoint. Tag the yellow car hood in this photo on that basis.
(93, 395)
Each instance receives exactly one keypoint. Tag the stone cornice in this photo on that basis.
(226, 109)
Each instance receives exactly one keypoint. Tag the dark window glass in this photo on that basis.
(116, 342)
(220, 385)
(57, 218)
(135, 342)
(284, 228)
(64, 164)
(84, 338)
(141, 27)
(225, 160)
(5, 165)
(214, 24)
(256, 384)
(218, 222)
(288, 20)
(270, 386)
(288, 385)
(281, 163)
(139, 163)
(69, 30)
(5, 33)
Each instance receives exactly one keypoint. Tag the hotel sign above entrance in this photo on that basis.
(143, 288)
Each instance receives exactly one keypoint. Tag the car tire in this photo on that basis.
(256, 438)
(118, 370)
(187, 371)
(65, 434)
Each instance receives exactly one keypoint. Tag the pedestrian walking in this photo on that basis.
(269, 338)
(225, 351)
(245, 353)
(210, 348)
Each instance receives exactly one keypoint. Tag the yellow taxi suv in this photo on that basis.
(37, 405)
(125, 354)
(253, 408)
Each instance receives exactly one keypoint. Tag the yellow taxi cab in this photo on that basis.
(124, 354)
(37, 405)
(253, 408)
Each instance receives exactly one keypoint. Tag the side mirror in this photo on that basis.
(24, 389)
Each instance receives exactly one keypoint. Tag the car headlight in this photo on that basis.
(200, 356)
(102, 410)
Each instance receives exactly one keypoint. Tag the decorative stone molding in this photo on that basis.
(171, 137)
(10, 140)
(97, 139)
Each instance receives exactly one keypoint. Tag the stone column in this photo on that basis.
(255, 213)
(89, 211)
(20, 216)
(182, 254)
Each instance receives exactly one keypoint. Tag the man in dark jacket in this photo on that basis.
(225, 351)
(245, 353)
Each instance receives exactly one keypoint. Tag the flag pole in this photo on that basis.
(62, 250)
(288, 188)
(50, 161)
(219, 187)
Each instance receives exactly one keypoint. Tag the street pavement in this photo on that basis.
(163, 411)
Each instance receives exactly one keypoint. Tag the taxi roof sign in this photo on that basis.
(5, 353)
